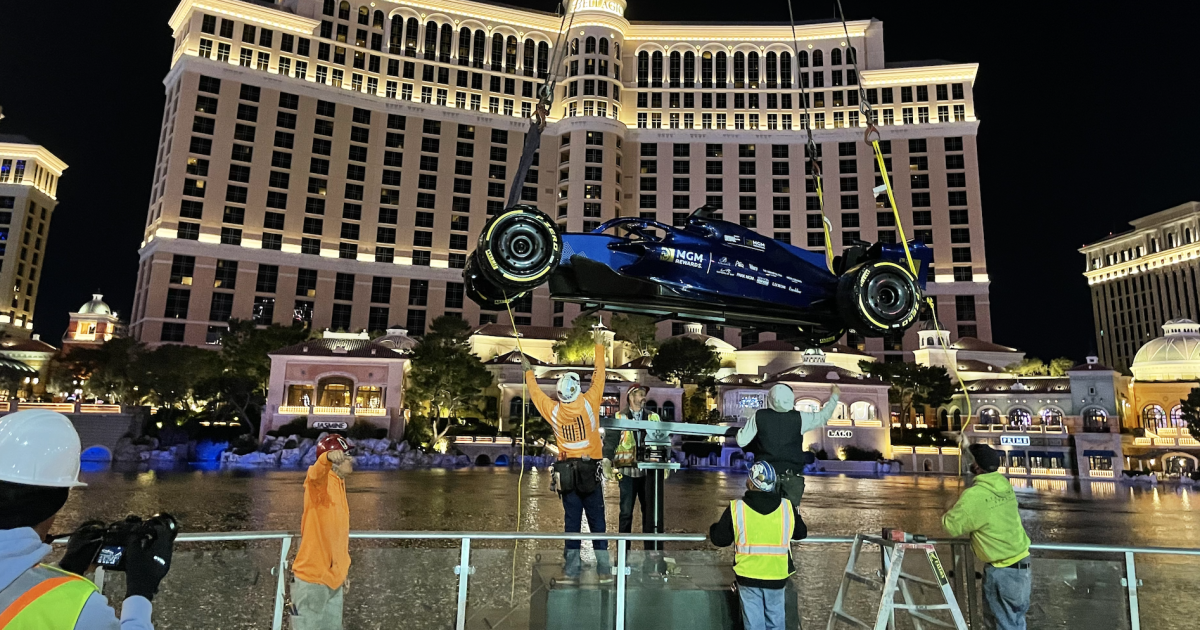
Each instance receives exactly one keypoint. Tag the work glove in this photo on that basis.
(147, 561)
(609, 473)
(82, 547)
(525, 366)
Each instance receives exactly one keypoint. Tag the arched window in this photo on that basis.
(589, 45)
(991, 415)
(328, 7)
(944, 420)
(817, 59)
(364, 15)
(464, 46)
(1187, 236)
(396, 41)
(1170, 241)
(575, 46)
(514, 409)
(410, 37)
(1153, 417)
(675, 68)
(447, 43)
(808, 404)
(706, 69)
(431, 37)
(772, 69)
(656, 69)
(478, 49)
(851, 55)
(722, 69)
(835, 57)
(689, 69)
(668, 411)
(752, 69)
(510, 54)
(377, 20)
(652, 406)
(603, 45)
(543, 59)
(497, 51)
(1177, 416)
(1095, 420)
(785, 69)
(862, 410)
(802, 59)
(957, 420)
(1052, 417)
(739, 69)
(616, 50)
(344, 10)
(643, 69)
(530, 57)
(1019, 417)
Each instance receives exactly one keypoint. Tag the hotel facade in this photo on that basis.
(333, 162)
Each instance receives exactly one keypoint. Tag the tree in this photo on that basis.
(637, 330)
(579, 344)
(683, 360)
(244, 347)
(444, 375)
(1029, 366)
(1191, 411)
(109, 371)
(170, 374)
(1059, 366)
(913, 385)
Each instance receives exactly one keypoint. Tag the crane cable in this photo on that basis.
(864, 107)
(811, 148)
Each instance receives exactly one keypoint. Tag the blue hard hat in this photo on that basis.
(762, 475)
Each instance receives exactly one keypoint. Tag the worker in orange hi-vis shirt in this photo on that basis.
(324, 557)
(575, 418)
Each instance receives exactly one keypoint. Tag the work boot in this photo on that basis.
(603, 567)
(571, 565)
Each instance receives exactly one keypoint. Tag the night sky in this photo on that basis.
(1086, 109)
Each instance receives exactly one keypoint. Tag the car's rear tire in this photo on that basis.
(519, 249)
(481, 290)
(878, 297)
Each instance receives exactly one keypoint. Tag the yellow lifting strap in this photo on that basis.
(521, 463)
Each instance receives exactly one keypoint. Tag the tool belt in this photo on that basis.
(581, 476)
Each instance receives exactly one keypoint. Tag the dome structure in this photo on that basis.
(1173, 357)
(96, 306)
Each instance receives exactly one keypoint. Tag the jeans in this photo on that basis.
(1006, 592)
(634, 489)
(317, 606)
(762, 608)
(791, 486)
(574, 506)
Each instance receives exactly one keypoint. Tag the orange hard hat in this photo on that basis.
(332, 442)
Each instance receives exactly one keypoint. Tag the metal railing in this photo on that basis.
(962, 562)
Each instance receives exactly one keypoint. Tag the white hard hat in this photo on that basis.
(39, 447)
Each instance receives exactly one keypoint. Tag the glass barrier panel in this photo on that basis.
(1166, 598)
(395, 584)
(1078, 593)
(228, 585)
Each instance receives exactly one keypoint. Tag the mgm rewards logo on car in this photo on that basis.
(682, 257)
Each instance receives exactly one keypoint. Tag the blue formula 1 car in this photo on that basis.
(707, 271)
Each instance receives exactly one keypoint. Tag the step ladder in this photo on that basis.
(896, 578)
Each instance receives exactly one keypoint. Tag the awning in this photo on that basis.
(1039, 454)
(1099, 454)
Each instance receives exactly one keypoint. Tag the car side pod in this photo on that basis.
(878, 297)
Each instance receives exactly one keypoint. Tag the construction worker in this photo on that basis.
(756, 525)
(776, 435)
(575, 418)
(987, 511)
(324, 557)
(39, 464)
(621, 448)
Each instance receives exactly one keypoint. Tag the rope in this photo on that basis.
(521, 474)
(864, 107)
(810, 147)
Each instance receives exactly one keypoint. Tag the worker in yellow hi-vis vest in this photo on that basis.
(760, 526)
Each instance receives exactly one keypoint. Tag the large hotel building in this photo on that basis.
(334, 162)
(1142, 279)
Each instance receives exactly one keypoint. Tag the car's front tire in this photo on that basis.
(878, 297)
(519, 249)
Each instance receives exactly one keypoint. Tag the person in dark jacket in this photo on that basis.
(621, 448)
(755, 524)
(776, 435)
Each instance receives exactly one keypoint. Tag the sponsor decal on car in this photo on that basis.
(682, 257)
(724, 272)
(772, 274)
(724, 260)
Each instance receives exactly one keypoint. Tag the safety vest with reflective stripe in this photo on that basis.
(44, 597)
(762, 542)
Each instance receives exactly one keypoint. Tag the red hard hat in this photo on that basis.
(332, 442)
(645, 389)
